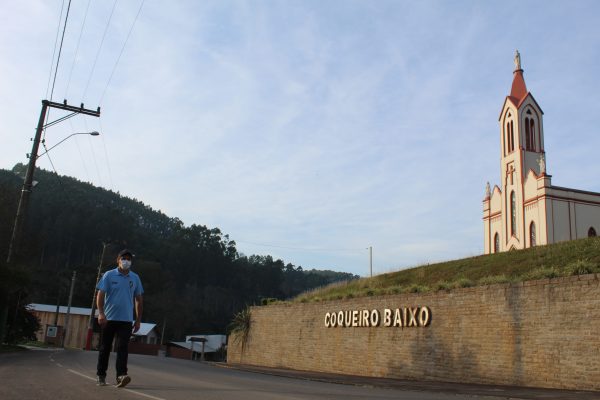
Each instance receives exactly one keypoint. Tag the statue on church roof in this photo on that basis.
(488, 191)
(517, 60)
(542, 164)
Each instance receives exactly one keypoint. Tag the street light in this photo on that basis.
(28, 184)
(94, 133)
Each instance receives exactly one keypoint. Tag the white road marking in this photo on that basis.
(128, 390)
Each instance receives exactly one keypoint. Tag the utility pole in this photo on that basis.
(66, 327)
(90, 333)
(28, 182)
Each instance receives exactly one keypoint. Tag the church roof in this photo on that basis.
(518, 91)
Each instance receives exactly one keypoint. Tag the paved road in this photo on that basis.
(71, 375)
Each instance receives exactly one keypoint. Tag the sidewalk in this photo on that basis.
(505, 392)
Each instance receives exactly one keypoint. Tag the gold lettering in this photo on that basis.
(413, 317)
(387, 317)
(424, 316)
(397, 318)
(327, 320)
(355, 318)
(340, 318)
(374, 318)
(347, 318)
(365, 317)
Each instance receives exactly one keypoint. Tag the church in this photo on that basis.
(527, 210)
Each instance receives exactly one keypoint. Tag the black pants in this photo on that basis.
(123, 332)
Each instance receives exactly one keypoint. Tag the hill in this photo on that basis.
(194, 278)
(561, 259)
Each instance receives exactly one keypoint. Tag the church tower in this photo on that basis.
(521, 148)
(525, 210)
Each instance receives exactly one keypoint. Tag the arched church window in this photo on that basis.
(591, 232)
(527, 135)
(513, 213)
(511, 137)
(496, 243)
(532, 234)
(532, 134)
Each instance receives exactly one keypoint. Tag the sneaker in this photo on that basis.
(101, 380)
(123, 380)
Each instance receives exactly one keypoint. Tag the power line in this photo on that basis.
(54, 169)
(121, 53)
(99, 49)
(54, 52)
(60, 49)
(87, 174)
(77, 48)
(93, 154)
(106, 155)
(300, 248)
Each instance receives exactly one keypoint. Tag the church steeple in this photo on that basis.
(518, 90)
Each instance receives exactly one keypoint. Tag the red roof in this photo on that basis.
(518, 90)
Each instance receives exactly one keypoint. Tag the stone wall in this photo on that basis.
(542, 333)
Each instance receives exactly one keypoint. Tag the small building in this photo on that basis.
(192, 348)
(52, 326)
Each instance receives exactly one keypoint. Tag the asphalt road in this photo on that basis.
(70, 374)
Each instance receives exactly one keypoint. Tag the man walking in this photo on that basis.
(118, 291)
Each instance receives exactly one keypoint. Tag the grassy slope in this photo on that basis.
(562, 259)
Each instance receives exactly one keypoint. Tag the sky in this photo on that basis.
(306, 130)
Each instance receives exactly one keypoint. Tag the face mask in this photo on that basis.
(125, 264)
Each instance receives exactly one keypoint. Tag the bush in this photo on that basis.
(415, 288)
(581, 267)
(542, 273)
(493, 280)
(443, 285)
(464, 283)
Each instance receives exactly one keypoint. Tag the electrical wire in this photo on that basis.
(60, 49)
(121, 53)
(106, 155)
(54, 52)
(87, 174)
(300, 248)
(54, 169)
(77, 48)
(93, 153)
(99, 50)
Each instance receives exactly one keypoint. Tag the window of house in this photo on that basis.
(591, 232)
(532, 234)
(496, 243)
(513, 213)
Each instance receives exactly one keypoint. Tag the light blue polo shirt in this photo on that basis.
(120, 290)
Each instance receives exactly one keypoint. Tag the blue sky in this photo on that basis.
(308, 130)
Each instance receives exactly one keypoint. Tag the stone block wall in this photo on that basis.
(542, 333)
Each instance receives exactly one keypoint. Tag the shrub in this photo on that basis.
(416, 288)
(581, 267)
(443, 285)
(493, 280)
(464, 283)
(541, 273)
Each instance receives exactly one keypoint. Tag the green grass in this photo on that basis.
(562, 259)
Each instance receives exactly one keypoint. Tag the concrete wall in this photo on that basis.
(540, 333)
